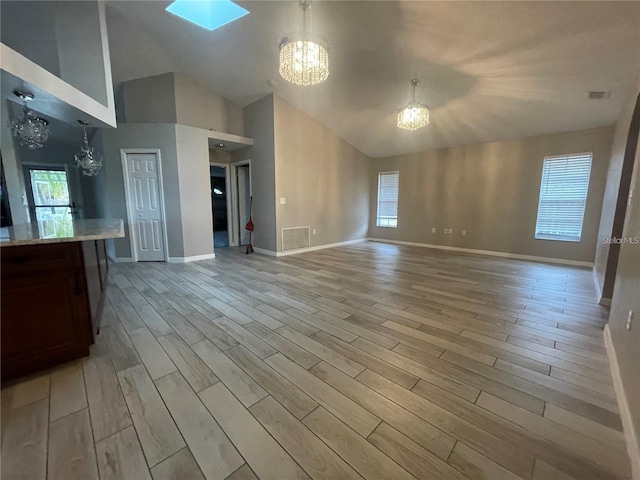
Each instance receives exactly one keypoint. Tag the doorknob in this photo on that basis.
(140, 215)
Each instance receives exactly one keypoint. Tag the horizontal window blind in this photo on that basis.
(388, 199)
(563, 196)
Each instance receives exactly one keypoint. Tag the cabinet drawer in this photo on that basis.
(26, 259)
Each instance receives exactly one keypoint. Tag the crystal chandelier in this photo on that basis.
(304, 59)
(413, 115)
(30, 130)
(87, 158)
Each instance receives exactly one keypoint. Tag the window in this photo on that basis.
(48, 196)
(563, 195)
(388, 199)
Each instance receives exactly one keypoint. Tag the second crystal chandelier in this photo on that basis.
(87, 158)
(304, 59)
(413, 115)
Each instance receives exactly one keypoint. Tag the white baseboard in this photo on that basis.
(262, 251)
(601, 299)
(194, 258)
(488, 252)
(597, 284)
(121, 259)
(630, 435)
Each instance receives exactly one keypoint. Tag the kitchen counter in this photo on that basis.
(54, 280)
(61, 231)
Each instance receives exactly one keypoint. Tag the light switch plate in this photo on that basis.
(283, 200)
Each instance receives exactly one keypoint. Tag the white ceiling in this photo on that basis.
(489, 70)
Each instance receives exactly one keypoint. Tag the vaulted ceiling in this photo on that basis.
(489, 70)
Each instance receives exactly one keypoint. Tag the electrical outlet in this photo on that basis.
(433, 230)
(314, 231)
(464, 233)
(450, 231)
(445, 230)
(283, 200)
(629, 319)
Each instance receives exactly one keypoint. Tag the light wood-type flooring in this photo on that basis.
(371, 361)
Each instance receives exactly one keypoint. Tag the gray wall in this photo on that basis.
(177, 98)
(63, 37)
(323, 178)
(491, 191)
(259, 124)
(197, 106)
(12, 167)
(605, 270)
(113, 201)
(41, 45)
(82, 54)
(219, 156)
(195, 190)
(626, 296)
(149, 100)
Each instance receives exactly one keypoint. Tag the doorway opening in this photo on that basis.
(219, 206)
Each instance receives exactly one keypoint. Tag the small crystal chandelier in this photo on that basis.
(304, 59)
(31, 130)
(413, 115)
(87, 158)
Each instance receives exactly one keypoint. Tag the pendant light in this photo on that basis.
(413, 115)
(304, 58)
(87, 159)
(31, 130)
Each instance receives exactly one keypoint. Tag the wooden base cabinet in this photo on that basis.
(48, 316)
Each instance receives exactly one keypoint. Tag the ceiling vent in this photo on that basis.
(598, 95)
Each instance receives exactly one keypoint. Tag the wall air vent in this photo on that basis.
(295, 238)
(598, 95)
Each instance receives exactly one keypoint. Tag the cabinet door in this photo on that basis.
(43, 321)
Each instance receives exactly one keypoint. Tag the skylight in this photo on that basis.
(209, 14)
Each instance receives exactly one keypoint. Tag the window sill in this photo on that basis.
(557, 238)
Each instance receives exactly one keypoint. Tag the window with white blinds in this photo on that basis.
(563, 196)
(388, 199)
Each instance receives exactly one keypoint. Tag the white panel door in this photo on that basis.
(145, 206)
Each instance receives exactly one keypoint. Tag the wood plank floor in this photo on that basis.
(369, 361)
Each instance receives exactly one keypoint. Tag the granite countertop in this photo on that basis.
(60, 231)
